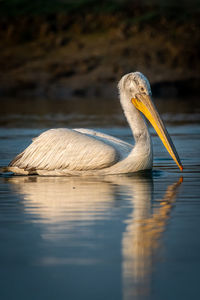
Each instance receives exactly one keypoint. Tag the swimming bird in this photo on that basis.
(82, 152)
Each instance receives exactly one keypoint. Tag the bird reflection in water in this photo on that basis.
(142, 238)
(61, 201)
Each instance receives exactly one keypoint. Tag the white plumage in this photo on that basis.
(88, 152)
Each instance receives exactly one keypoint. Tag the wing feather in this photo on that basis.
(121, 146)
(66, 149)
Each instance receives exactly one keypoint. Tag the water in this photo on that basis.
(118, 237)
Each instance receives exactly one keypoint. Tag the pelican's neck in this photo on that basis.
(135, 120)
(141, 156)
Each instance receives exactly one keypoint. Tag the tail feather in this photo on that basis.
(4, 169)
(14, 170)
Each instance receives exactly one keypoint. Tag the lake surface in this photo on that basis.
(114, 237)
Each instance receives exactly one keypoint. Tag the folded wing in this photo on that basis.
(59, 149)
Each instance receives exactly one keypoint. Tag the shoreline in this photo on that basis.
(53, 58)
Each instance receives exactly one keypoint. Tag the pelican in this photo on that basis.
(82, 152)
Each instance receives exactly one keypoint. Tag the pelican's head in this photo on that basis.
(134, 83)
(137, 89)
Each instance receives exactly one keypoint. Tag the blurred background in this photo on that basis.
(79, 49)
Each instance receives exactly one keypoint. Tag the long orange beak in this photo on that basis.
(145, 104)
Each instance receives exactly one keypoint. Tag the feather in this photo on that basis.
(66, 149)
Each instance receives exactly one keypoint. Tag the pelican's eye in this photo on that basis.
(142, 89)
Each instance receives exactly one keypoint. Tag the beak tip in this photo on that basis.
(181, 168)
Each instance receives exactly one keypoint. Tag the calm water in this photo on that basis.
(117, 237)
